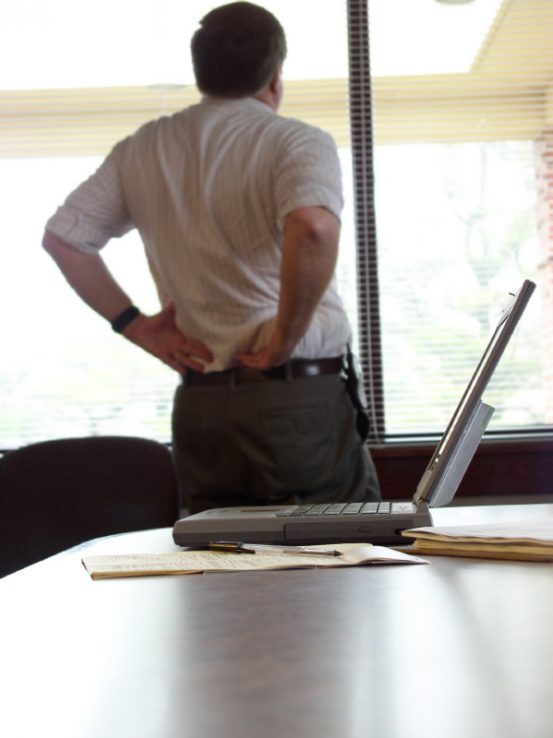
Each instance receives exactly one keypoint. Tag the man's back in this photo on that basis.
(209, 189)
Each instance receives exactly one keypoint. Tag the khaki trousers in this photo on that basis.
(270, 442)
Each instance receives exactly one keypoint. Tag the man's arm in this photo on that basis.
(94, 283)
(309, 254)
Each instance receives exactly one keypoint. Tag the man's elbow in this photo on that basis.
(55, 246)
(317, 224)
(50, 242)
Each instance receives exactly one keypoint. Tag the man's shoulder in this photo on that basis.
(293, 129)
(301, 126)
(152, 127)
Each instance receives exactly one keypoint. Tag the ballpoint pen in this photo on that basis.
(252, 548)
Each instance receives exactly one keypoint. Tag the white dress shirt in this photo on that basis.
(209, 189)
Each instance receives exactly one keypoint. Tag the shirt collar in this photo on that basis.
(239, 103)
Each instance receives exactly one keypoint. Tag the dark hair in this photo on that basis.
(236, 50)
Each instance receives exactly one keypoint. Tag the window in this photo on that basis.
(444, 125)
(453, 133)
(62, 108)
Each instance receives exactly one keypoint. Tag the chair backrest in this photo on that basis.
(57, 494)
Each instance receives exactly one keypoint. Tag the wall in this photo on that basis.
(500, 469)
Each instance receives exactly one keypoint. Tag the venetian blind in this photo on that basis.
(452, 137)
(86, 76)
(443, 120)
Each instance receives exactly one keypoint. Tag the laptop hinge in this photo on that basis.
(443, 475)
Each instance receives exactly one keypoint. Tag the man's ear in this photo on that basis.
(275, 83)
(271, 94)
(275, 86)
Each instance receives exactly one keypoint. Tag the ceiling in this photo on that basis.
(506, 93)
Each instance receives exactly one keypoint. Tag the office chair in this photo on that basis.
(57, 494)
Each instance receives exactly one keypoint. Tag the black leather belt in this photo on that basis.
(294, 369)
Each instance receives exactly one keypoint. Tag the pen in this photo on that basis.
(251, 548)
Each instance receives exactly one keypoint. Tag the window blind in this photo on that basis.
(452, 138)
(66, 96)
(443, 116)
(368, 345)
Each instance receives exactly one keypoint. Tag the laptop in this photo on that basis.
(374, 522)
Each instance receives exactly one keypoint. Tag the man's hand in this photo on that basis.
(277, 352)
(158, 335)
(309, 253)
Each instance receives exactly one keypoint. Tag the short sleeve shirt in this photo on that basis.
(209, 189)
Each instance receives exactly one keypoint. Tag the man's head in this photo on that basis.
(237, 49)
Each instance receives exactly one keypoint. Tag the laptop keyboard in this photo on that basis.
(350, 508)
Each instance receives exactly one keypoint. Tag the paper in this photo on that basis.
(524, 540)
(195, 562)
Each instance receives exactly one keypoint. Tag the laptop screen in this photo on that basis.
(468, 422)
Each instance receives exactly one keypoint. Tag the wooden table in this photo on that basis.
(460, 648)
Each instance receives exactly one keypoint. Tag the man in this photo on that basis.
(238, 210)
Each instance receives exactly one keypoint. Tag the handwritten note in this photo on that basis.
(196, 562)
